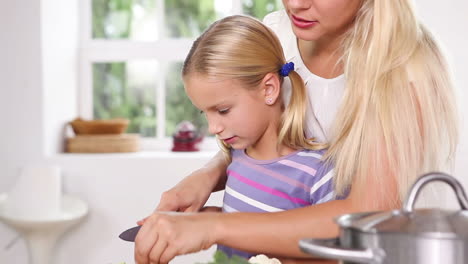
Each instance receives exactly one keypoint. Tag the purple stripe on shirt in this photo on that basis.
(298, 166)
(264, 197)
(267, 189)
(278, 176)
(240, 205)
(322, 191)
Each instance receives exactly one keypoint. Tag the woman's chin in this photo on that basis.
(306, 35)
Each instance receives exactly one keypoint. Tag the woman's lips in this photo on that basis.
(302, 23)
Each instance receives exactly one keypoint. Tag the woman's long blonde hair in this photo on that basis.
(242, 48)
(398, 114)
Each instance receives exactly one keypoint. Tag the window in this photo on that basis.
(132, 53)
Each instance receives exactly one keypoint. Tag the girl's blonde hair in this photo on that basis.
(398, 114)
(242, 48)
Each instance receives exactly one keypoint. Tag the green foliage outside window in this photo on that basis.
(259, 8)
(106, 12)
(115, 19)
(113, 97)
(113, 94)
(178, 105)
(188, 18)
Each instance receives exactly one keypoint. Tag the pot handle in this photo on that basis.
(329, 248)
(408, 205)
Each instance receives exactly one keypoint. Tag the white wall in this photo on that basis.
(37, 71)
(120, 190)
(59, 41)
(20, 71)
(448, 22)
(21, 125)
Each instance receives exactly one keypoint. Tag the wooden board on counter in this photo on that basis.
(107, 143)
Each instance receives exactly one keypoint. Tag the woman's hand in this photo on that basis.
(167, 235)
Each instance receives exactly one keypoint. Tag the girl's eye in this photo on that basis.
(223, 111)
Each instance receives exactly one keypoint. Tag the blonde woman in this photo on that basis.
(379, 95)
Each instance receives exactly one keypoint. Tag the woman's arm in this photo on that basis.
(279, 233)
(190, 194)
(165, 236)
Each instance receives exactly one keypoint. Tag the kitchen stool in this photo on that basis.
(42, 234)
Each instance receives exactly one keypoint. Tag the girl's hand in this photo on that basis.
(192, 192)
(189, 195)
(165, 236)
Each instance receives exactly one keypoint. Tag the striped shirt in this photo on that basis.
(292, 181)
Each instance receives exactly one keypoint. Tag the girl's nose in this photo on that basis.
(214, 127)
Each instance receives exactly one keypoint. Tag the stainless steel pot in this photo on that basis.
(429, 236)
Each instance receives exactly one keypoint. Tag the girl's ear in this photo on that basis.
(271, 88)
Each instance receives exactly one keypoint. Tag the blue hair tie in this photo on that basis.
(286, 69)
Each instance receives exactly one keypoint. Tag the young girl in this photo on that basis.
(390, 116)
(273, 166)
(240, 94)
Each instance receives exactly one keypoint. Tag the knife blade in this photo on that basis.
(130, 234)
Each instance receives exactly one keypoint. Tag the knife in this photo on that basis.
(130, 234)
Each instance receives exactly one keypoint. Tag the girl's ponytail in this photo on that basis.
(292, 129)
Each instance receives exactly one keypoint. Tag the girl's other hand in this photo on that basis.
(206, 209)
(189, 195)
(165, 236)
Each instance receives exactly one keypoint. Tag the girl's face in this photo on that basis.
(316, 19)
(238, 116)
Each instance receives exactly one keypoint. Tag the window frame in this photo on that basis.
(108, 51)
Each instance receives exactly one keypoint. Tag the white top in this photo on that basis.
(324, 95)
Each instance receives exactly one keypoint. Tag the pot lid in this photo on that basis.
(433, 223)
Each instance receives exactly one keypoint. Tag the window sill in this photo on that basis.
(151, 148)
(204, 154)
